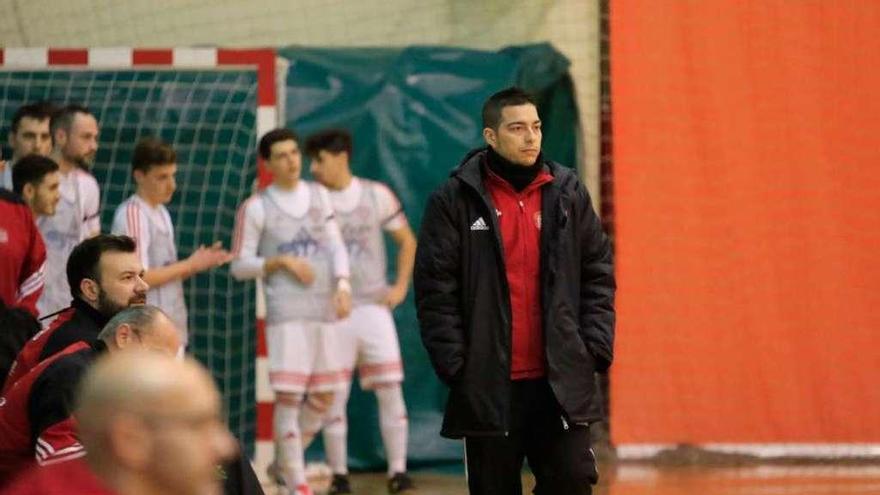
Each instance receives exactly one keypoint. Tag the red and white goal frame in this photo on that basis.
(269, 114)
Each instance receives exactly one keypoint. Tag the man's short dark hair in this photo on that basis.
(85, 258)
(63, 118)
(39, 111)
(275, 136)
(31, 170)
(150, 152)
(512, 96)
(330, 140)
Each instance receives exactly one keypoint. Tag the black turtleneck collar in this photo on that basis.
(517, 176)
(93, 314)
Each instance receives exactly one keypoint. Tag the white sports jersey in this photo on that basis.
(76, 218)
(153, 231)
(299, 223)
(363, 210)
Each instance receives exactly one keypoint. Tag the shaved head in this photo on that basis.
(152, 422)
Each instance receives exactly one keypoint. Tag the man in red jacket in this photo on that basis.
(151, 425)
(515, 289)
(105, 276)
(22, 252)
(36, 423)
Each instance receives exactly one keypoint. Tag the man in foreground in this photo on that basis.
(151, 425)
(36, 422)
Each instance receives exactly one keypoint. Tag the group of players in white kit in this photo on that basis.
(319, 249)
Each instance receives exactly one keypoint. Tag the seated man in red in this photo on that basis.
(151, 425)
(105, 276)
(35, 414)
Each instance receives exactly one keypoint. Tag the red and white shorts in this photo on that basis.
(304, 357)
(368, 340)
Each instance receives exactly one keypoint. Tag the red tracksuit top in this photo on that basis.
(65, 478)
(519, 218)
(56, 443)
(22, 254)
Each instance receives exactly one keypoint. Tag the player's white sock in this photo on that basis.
(311, 419)
(394, 425)
(336, 434)
(289, 440)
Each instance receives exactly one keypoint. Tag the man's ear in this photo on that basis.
(59, 137)
(124, 336)
(490, 136)
(138, 176)
(89, 289)
(28, 192)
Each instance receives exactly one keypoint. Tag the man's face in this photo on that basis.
(328, 168)
(518, 138)
(46, 195)
(285, 163)
(120, 282)
(190, 442)
(158, 184)
(32, 137)
(80, 144)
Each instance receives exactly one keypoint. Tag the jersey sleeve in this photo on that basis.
(391, 214)
(131, 220)
(91, 204)
(249, 221)
(32, 278)
(335, 241)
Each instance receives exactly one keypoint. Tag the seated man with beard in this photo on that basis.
(105, 277)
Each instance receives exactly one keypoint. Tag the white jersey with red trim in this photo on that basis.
(76, 218)
(153, 231)
(364, 209)
(300, 223)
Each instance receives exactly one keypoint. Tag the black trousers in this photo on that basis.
(558, 453)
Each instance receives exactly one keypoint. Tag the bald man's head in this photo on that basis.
(149, 419)
(145, 327)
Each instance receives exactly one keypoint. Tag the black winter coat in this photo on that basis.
(463, 300)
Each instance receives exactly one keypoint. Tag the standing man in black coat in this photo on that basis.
(515, 293)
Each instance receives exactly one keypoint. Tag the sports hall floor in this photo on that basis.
(646, 479)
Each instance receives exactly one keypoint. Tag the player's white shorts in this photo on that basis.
(303, 357)
(368, 340)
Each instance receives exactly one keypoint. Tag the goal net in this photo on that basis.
(211, 105)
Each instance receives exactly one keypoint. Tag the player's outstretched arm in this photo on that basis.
(202, 259)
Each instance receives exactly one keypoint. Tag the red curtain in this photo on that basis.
(747, 189)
